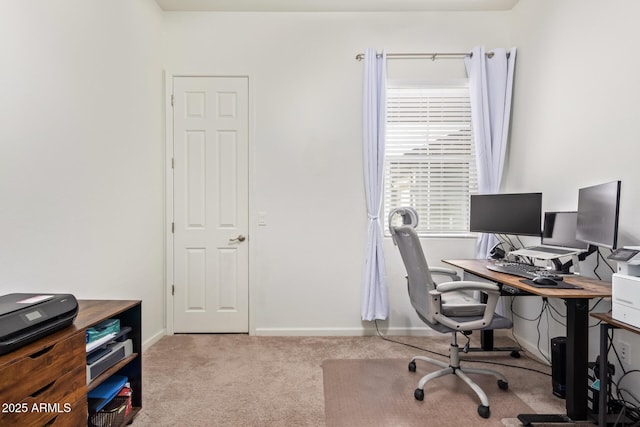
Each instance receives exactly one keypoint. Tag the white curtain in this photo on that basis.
(490, 87)
(375, 304)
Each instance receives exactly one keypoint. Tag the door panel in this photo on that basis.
(211, 204)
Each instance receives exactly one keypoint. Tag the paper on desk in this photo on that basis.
(100, 342)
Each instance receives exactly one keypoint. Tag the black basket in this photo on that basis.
(113, 414)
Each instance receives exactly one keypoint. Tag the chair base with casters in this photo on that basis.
(454, 368)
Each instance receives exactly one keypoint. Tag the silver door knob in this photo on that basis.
(240, 238)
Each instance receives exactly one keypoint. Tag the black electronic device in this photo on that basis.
(516, 213)
(510, 290)
(559, 366)
(559, 229)
(598, 383)
(497, 252)
(544, 281)
(26, 317)
(598, 210)
(557, 284)
(623, 254)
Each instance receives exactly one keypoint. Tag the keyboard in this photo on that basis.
(520, 269)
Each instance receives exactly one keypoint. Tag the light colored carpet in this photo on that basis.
(379, 393)
(239, 380)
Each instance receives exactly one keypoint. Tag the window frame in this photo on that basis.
(472, 180)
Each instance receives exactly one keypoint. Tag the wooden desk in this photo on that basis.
(577, 301)
(607, 322)
(51, 371)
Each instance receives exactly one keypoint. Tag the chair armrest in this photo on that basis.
(465, 285)
(435, 304)
(442, 271)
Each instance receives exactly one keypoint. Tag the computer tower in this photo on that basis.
(559, 366)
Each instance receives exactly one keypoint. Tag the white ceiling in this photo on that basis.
(334, 5)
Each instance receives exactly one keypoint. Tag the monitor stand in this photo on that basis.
(561, 268)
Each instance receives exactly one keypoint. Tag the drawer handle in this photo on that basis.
(43, 389)
(41, 352)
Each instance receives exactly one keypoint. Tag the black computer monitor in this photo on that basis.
(598, 209)
(517, 213)
(559, 229)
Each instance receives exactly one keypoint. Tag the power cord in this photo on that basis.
(628, 409)
(406, 344)
(628, 412)
(447, 356)
(536, 319)
(599, 256)
(552, 312)
(606, 262)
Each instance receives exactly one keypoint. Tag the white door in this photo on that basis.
(211, 191)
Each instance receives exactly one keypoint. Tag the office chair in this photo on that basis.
(446, 307)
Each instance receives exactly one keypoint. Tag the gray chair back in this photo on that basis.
(419, 280)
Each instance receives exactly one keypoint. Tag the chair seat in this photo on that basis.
(498, 322)
(461, 304)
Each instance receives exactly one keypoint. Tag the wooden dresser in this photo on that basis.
(44, 383)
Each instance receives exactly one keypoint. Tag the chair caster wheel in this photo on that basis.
(484, 411)
(419, 394)
(503, 385)
(515, 354)
(412, 366)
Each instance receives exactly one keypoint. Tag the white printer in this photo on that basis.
(625, 285)
(625, 299)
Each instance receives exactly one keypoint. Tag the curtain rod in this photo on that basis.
(432, 56)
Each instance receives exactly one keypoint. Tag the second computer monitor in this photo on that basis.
(517, 213)
(559, 229)
(598, 209)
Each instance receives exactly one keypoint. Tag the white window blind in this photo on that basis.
(429, 155)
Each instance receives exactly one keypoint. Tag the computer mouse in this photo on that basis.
(544, 281)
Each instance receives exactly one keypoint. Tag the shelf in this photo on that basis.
(112, 370)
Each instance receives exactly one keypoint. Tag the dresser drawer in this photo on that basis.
(57, 399)
(31, 374)
(76, 417)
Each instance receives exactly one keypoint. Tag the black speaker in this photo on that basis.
(559, 366)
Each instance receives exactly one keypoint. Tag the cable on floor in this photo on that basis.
(462, 359)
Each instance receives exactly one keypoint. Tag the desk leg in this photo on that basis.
(486, 340)
(486, 337)
(604, 382)
(577, 357)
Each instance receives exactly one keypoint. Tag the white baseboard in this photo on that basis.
(532, 351)
(328, 332)
(154, 339)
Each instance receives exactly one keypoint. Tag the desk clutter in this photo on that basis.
(110, 402)
(106, 344)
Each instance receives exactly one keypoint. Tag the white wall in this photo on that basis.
(306, 148)
(575, 115)
(81, 157)
(81, 151)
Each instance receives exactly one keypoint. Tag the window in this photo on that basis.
(429, 156)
